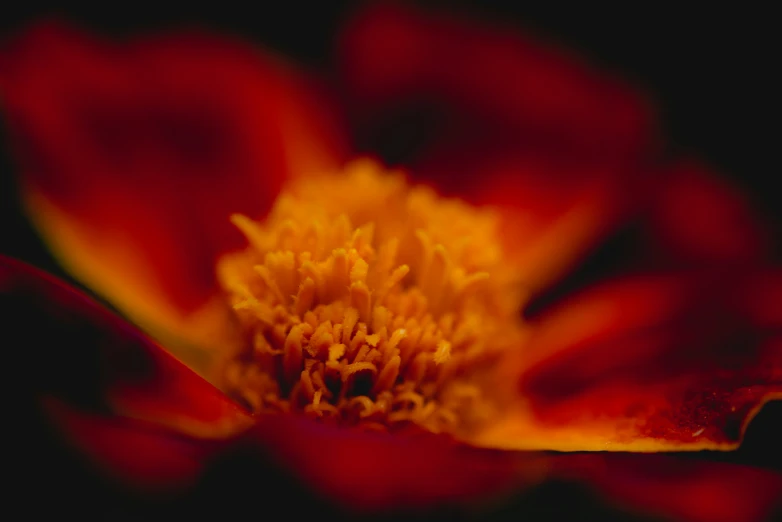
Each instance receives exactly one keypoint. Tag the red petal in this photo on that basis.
(509, 122)
(647, 364)
(758, 299)
(552, 212)
(356, 470)
(489, 86)
(698, 218)
(84, 356)
(367, 471)
(133, 452)
(135, 154)
(678, 488)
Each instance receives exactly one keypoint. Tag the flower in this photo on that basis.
(354, 296)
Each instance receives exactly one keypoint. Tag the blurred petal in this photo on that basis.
(132, 451)
(486, 84)
(502, 120)
(553, 214)
(369, 471)
(674, 362)
(150, 429)
(758, 299)
(89, 359)
(698, 218)
(678, 488)
(134, 155)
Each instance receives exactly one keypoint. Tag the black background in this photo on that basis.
(711, 71)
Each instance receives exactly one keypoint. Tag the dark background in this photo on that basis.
(711, 72)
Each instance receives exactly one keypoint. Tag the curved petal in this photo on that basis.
(378, 472)
(489, 85)
(553, 214)
(366, 472)
(143, 417)
(698, 218)
(339, 471)
(134, 155)
(678, 488)
(656, 363)
(507, 121)
(131, 451)
(89, 359)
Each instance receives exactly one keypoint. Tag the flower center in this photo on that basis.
(368, 301)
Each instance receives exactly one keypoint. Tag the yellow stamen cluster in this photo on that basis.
(367, 301)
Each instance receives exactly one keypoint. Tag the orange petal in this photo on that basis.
(678, 488)
(84, 356)
(134, 155)
(699, 218)
(660, 363)
(484, 86)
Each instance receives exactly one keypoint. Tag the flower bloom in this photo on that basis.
(384, 334)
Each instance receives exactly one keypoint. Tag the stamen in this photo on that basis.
(371, 302)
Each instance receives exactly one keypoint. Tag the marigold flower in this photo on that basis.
(375, 331)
